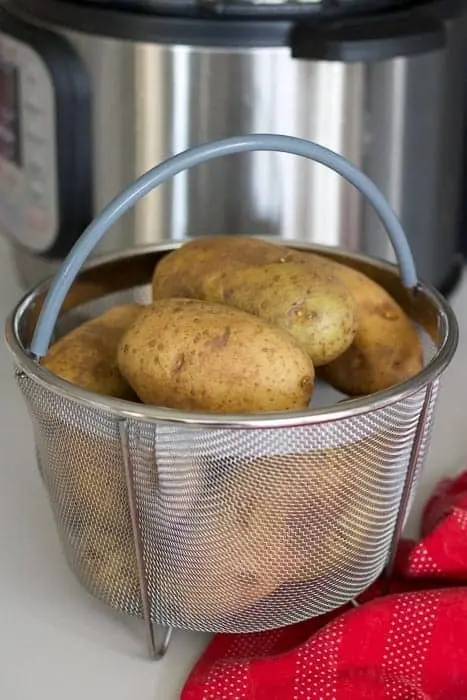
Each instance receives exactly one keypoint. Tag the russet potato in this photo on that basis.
(223, 560)
(87, 355)
(318, 312)
(317, 504)
(386, 349)
(259, 277)
(231, 555)
(83, 472)
(109, 564)
(194, 355)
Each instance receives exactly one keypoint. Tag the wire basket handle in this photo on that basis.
(188, 159)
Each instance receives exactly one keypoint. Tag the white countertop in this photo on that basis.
(56, 642)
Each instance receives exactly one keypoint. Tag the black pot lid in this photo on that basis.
(247, 8)
(354, 30)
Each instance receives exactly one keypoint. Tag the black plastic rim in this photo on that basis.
(204, 23)
(195, 29)
(245, 8)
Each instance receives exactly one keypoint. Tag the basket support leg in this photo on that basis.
(156, 650)
(409, 479)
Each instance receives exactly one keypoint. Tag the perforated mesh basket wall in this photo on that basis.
(242, 529)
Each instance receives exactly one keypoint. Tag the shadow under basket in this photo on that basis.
(219, 525)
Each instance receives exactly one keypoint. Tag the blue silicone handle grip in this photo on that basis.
(188, 159)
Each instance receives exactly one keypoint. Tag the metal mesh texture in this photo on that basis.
(425, 443)
(242, 530)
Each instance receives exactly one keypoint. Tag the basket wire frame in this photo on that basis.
(155, 651)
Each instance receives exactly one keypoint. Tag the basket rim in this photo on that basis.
(26, 364)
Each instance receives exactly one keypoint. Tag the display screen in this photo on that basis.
(10, 128)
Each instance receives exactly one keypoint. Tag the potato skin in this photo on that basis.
(258, 277)
(317, 312)
(182, 272)
(87, 355)
(386, 349)
(194, 355)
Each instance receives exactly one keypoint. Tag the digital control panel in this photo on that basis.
(45, 139)
(28, 143)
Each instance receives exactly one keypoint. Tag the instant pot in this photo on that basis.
(92, 94)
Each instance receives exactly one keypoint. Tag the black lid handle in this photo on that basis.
(369, 38)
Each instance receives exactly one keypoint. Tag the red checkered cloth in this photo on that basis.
(410, 644)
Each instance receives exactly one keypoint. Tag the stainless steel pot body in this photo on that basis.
(401, 120)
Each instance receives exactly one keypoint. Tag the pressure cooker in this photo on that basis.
(93, 93)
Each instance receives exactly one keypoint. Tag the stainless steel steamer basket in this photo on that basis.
(224, 523)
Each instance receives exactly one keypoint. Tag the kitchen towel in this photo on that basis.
(408, 644)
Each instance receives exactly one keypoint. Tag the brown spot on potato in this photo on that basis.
(220, 341)
(179, 362)
(356, 362)
(296, 309)
(383, 308)
(228, 295)
(386, 310)
(307, 383)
